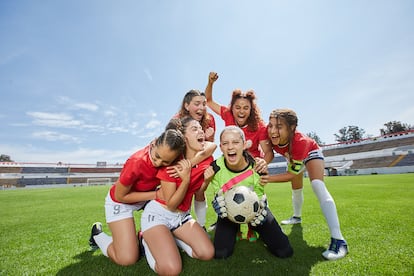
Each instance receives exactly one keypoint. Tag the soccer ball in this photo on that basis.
(242, 204)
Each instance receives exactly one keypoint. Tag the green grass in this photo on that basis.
(45, 232)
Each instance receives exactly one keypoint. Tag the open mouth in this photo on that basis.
(241, 120)
(231, 157)
(201, 140)
(199, 114)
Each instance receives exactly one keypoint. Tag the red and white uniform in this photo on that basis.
(196, 180)
(139, 172)
(255, 137)
(303, 149)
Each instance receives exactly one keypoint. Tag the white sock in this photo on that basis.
(200, 209)
(103, 240)
(148, 255)
(297, 202)
(328, 208)
(184, 247)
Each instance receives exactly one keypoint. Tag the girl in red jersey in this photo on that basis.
(303, 153)
(166, 221)
(136, 185)
(194, 106)
(244, 113)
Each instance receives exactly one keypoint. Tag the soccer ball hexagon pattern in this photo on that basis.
(242, 204)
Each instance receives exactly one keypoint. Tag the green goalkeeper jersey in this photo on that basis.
(224, 178)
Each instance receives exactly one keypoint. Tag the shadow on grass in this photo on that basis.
(305, 256)
(254, 259)
(91, 263)
(248, 259)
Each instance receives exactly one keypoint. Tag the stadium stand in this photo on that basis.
(367, 145)
(384, 154)
(44, 170)
(22, 182)
(408, 160)
(40, 174)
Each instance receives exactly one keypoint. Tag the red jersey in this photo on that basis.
(255, 137)
(211, 122)
(139, 172)
(301, 146)
(196, 180)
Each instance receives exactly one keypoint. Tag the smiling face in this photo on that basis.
(278, 131)
(162, 155)
(232, 146)
(194, 136)
(241, 111)
(196, 107)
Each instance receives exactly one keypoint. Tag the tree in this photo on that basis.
(350, 133)
(394, 127)
(5, 158)
(315, 137)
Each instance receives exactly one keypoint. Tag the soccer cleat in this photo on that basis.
(96, 229)
(292, 220)
(337, 249)
(251, 235)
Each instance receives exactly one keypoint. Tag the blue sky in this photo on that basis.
(87, 81)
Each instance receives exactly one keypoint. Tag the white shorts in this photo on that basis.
(155, 214)
(314, 154)
(115, 211)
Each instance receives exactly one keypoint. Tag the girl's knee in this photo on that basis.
(125, 258)
(168, 268)
(207, 255)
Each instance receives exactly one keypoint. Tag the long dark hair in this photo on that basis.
(254, 117)
(188, 97)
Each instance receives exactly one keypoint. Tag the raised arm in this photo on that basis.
(212, 77)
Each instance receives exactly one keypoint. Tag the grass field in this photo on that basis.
(46, 232)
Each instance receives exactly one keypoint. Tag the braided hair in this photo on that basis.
(173, 139)
(180, 125)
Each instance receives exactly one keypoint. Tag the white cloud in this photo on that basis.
(86, 106)
(72, 104)
(54, 119)
(109, 113)
(153, 124)
(118, 129)
(55, 136)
